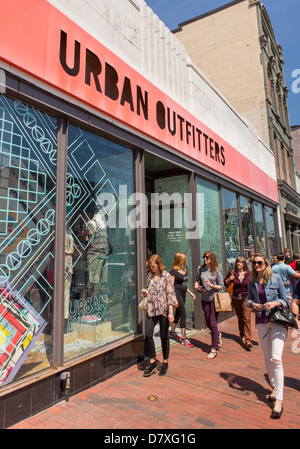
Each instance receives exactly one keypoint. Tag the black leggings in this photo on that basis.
(164, 336)
(180, 312)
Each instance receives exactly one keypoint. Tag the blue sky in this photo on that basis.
(284, 16)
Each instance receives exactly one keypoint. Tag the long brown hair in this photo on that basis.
(241, 259)
(268, 274)
(158, 260)
(179, 262)
(214, 267)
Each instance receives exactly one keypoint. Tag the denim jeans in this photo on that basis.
(272, 338)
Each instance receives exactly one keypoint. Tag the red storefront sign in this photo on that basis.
(38, 39)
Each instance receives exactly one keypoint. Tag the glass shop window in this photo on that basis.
(100, 273)
(271, 234)
(260, 228)
(209, 220)
(28, 149)
(247, 227)
(231, 227)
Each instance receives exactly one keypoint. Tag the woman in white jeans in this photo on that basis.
(266, 291)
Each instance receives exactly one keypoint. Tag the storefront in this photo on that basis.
(99, 169)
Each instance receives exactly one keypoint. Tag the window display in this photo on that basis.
(28, 148)
(209, 215)
(271, 235)
(260, 228)
(231, 227)
(247, 227)
(100, 292)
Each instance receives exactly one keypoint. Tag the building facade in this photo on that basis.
(113, 146)
(295, 130)
(236, 48)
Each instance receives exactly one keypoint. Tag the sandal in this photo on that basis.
(212, 355)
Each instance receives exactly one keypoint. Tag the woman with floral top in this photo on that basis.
(161, 300)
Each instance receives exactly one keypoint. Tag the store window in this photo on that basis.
(247, 227)
(276, 156)
(231, 226)
(278, 98)
(260, 228)
(283, 161)
(289, 170)
(270, 84)
(28, 149)
(100, 274)
(270, 230)
(209, 220)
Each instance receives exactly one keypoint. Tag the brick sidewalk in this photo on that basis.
(228, 392)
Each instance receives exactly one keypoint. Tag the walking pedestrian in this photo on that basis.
(239, 276)
(287, 275)
(296, 259)
(287, 253)
(266, 291)
(296, 301)
(209, 282)
(161, 301)
(180, 274)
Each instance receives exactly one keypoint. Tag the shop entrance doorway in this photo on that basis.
(166, 185)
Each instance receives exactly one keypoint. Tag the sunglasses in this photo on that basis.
(206, 257)
(259, 263)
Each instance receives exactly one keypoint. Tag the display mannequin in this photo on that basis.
(98, 248)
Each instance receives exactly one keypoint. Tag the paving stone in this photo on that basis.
(228, 392)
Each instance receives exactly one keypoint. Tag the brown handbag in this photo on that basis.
(230, 288)
(222, 302)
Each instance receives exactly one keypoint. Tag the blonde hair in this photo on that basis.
(268, 274)
(179, 262)
(214, 267)
(158, 260)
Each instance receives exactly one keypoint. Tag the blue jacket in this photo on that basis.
(274, 289)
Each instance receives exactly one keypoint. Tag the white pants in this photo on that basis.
(272, 338)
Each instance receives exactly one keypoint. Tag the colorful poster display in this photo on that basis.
(20, 327)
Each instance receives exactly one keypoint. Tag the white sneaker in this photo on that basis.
(186, 342)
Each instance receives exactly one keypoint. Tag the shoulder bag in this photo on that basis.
(283, 317)
(222, 302)
(229, 287)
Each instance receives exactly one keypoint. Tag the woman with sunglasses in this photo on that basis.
(266, 291)
(209, 282)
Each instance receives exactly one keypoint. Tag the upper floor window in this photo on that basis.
(270, 85)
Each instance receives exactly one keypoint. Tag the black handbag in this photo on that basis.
(283, 317)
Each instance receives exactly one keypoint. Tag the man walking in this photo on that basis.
(286, 273)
